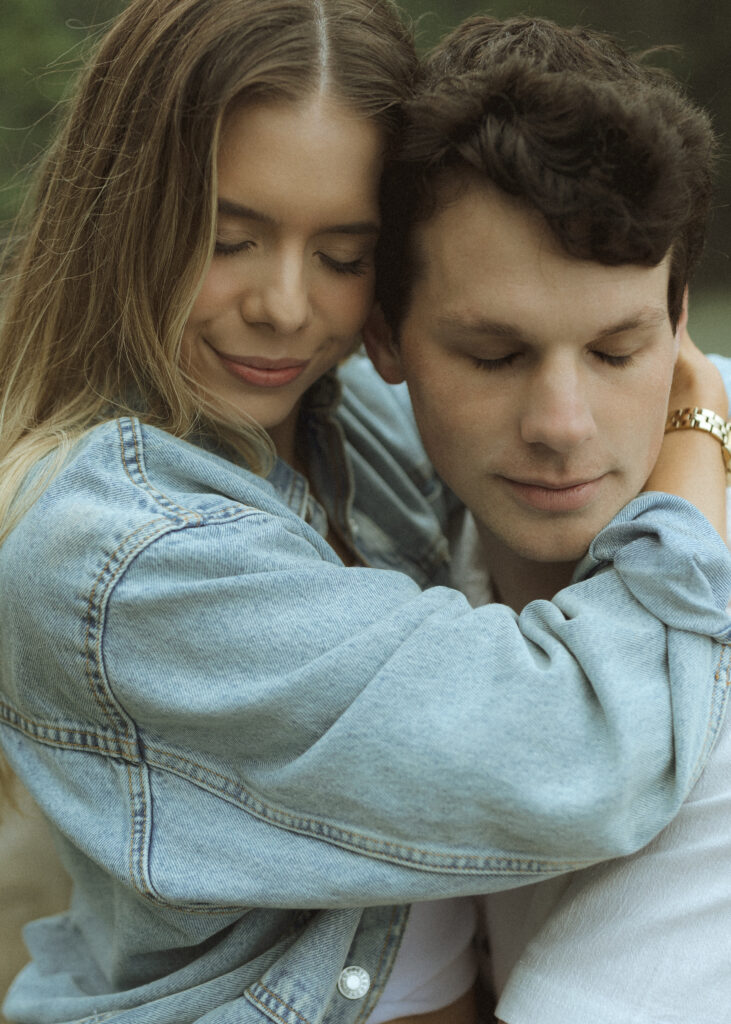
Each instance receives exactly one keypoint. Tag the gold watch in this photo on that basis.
(693, 418)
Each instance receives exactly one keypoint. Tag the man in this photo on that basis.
(545, 218)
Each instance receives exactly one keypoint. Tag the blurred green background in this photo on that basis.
(43, 41)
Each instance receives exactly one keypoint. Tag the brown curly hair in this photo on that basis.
(607, 149)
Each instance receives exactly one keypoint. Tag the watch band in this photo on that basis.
(694, 418)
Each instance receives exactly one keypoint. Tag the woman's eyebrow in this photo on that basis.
(229, 208)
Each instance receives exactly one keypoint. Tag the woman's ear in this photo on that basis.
(381, 347)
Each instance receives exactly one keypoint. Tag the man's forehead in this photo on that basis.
(465, 199)
(473, 287)
(477, 233)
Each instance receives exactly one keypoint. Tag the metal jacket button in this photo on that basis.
(354, 982)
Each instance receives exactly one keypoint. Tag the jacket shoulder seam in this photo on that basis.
(133, 463)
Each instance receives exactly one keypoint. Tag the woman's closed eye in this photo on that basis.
(358, 266)
(222, 248)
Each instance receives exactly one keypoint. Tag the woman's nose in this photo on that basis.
(279, 297)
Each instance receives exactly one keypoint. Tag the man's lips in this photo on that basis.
(261, 371)
(555, 497)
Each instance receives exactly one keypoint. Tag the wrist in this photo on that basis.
(697, 383)
(705, 420)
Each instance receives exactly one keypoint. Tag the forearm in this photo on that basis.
(690, 465)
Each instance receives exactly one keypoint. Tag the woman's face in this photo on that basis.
(291, 280)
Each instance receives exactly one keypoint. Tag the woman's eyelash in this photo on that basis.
(230, 248)
(358, 267)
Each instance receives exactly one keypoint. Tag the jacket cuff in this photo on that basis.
(671, 560)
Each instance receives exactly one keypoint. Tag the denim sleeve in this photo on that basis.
(323, 736)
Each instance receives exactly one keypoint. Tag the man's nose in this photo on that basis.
(558, 413)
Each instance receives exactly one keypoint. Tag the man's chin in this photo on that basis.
(556, 554)
(543, 548)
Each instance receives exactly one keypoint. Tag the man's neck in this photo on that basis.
(517, 580)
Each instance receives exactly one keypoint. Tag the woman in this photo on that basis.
(242, 730)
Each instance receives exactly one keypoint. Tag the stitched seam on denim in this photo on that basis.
(280, 1002)
(96, 610)
(77, 738)
(116, 754)
(101, 690)
(139, 886)
(268, 1009)
(167, 504)
(369, 1005)
(135, 461)
(248, 994)
(381, 848)
(138, 843)
(96, 615)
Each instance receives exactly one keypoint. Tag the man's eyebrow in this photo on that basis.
(652, 316)
(466, 324)
(228, 208)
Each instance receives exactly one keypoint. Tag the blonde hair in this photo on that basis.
(112, 244)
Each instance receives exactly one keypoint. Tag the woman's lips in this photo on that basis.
(548, 498)
(262, 372)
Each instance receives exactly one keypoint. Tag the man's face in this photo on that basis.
(540, 382)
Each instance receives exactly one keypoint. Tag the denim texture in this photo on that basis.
(253, 757)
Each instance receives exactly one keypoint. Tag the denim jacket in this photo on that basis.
(254, 758)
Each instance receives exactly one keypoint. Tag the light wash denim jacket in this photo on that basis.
(242, 744)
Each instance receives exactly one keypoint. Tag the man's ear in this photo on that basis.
(381, 347)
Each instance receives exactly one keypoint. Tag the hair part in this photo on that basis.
(611, 153)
